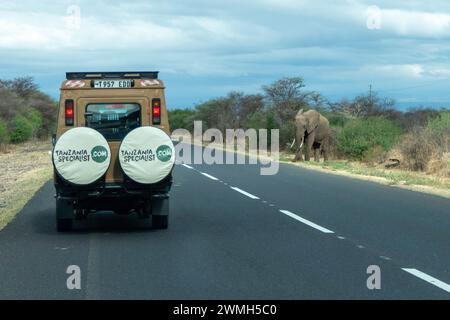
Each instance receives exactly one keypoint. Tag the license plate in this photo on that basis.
(112, 84)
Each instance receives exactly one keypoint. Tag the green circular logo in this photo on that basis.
(99, 154)
(164, 153)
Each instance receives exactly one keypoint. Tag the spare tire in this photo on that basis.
(147, 155)
(81, 156)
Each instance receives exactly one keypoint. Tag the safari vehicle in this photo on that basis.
(112, 149)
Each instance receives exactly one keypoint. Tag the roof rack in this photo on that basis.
(112, 75)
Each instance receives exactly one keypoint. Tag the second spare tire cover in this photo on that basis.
(81, 155)
(147, 155)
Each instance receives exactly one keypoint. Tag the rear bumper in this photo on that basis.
(126, 190)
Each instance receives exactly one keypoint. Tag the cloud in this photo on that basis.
(211, 45)
(416, 24)
(396, 70)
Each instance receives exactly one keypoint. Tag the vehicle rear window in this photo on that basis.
(113, 120)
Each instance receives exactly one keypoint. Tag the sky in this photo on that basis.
(206, 48)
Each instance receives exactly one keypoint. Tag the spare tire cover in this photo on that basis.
(147, 155)
(81, 156)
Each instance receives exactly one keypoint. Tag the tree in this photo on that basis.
(363, 106)
(23, 86)
(317, 100)
(231, 112)
(286, 98)
(181, 119)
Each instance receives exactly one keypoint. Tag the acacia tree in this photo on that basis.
(364, 106)
(286, 97)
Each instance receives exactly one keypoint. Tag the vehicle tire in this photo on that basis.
(160, 222)
(64, 225)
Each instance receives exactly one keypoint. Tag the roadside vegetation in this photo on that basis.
(26, 113)
(370, 136)
(27, 119)
(25, 168)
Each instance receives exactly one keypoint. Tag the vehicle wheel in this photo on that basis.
(146, 210)
(160, 222)
(63, 225)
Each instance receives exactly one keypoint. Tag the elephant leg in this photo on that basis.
(325, 154)
(308, 145)
(317, 154)
(298, 155)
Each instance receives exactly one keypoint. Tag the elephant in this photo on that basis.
(312, 131)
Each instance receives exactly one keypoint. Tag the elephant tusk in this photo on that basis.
(292, 144)
(301, 145)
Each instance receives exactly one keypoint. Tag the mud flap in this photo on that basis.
(64, 209)
(160, 205)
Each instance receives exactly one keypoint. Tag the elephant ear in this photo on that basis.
(312, 122)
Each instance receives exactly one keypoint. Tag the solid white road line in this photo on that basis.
(244, 193)
(209, 176)
(185, 165)
(438, 283)
(307, 222)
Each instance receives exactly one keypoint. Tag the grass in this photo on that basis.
(24, 169)
(395, 177)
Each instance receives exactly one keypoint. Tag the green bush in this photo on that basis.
(440, 124)
(336, 119)
(266, 120)
(22, 129)
(360, 136)
(4, 136)
(181, 119)
(36, 120)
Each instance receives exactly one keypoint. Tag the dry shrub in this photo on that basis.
(416, 148)
(423, 150)
(333, 143)
(375, 155)
(438, 166)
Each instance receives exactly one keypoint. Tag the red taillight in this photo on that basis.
(69, 112)
(156, 111)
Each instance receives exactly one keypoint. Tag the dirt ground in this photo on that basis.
(24, 169)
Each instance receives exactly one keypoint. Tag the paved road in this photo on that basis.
(236, 234)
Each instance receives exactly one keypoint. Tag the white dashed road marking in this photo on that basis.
(307, 222)
(209, 176)
(419, 274)
(244, 193)
(438, 283)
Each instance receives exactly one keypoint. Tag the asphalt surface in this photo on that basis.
(228, 239)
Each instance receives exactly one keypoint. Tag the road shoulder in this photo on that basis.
(393, 177)
(25, 169)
